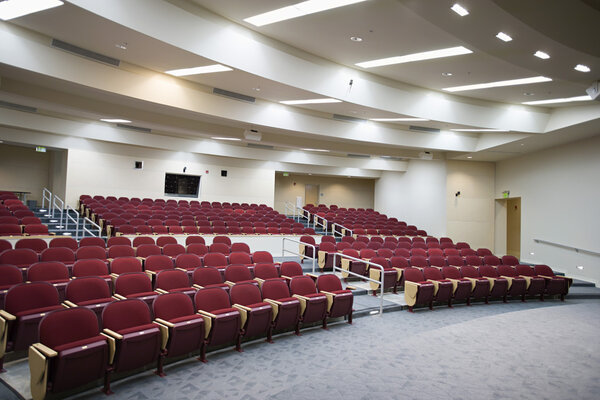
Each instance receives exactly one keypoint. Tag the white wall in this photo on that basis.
(417, 196)
(108, 169)
(470, 216)
(559, 190)
(23, 169)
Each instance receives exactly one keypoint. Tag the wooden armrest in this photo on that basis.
(298, 296)
(326, 292)
(241, 307)
(45, 350)
(206, 313)
(70, 304)
(271, 301)
(350, 287)
(7, 316)
(112, 334)
(165, 323)
(229, 283)
(161, 291)
(164, 333)
(112, 347)
(196, 286)
(286, 277)
(119, 297)
(312, 275)
(182, 269)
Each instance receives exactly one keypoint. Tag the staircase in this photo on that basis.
(68, 227)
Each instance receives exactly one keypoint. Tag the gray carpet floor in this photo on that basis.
(532, 350)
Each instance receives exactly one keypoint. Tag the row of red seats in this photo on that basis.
(24, 230)
(205, 204)
(127, 229)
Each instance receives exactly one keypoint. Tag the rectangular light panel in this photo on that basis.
(560, 100)
(310, 101)
(460, 10)
(207, 69)
(397, 119)
(297, 10)
(511, 82)
(478, 130)
(426, 55)
(10, 9)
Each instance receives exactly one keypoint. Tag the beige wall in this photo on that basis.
(470, 216)
(25, 170)
(345, 192)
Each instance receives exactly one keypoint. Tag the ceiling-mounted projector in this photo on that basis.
(252, 134)
(594, 91)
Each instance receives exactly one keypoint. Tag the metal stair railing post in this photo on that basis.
(68, 218)
(46, 197)
(324, 223)
(335, 267)
(342, 233)
(93, 224)
(56, 201)
(283, 250)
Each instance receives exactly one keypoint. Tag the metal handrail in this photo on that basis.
(68, 218)
(46, 195)
(564, 246)
(324, 223)
(55, 202)
(283, 250)
(86, 230)
(334, 231)
(335, 267)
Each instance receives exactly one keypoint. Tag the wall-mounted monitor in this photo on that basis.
(182, 185)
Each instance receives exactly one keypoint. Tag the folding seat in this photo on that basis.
(475, 261)
(374, 245)
(87, 252)
(297, 231)
(157, 262)
(21, 258)
(309, 231)
(390, 275)
(266, 271)
(435, 252)
(160, 230)
(139, 240)
(491, 260)
(188, 222)
(197, 248)
(241, 258)
(331, 239)
(498, 285)
(468, 252)
(555, 285)
(5, 245)
(143, 229)
(517, 285)
(451, 252)
(22, 212)
(390, 239)
(416, 289)
(154, 221)
(418, 262)
(35, 244)
(25, 305)
(53, 272)
(418, 252)
(455, 261)
(9, 276)
(462, 286)
(436, 261)
(173, 250)
(443, 288)
(219, 230)
(174, 280)
(92, 241)
(221, 321)
(404, 245)
(36, 229)
(480, 286)
(341, 246)
(62, 254)
(510, 260)
(418, 240)
(176, 229)
(171, 222)
(289, 269)
(137, 221)
(118, 240)
(134, 340)
(194, 239)
(135, 285)
(339, 301)
(256, 315)
(313, 305)
(419, 245)
(367, 254)
(146, 250)
(64, 242)
(348, 239)
(207, 230)
(360, 231)
(91, 292)
(262, 257)
(9, 219)
(358, 245)
(400, 252)
(482, 252)
(235, 274)
(124, 229)
(188, 262)
(219, 248)
(385, 252)
(348, 264)
(240, 247)
(535, 284)
(217, 260)
(433, 245)
(431, 239)
(70, 352)
(122, 250)
(462, 245)
(161, 241)
(176, 317)
(208, 277)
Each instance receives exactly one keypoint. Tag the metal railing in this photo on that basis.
(371, 264)
(284, 250)
(290, 207)
(94, 225)
(46, 197)
(75, 220)
(322, 223)
(58, 204)
(343, 230)
(564, 246)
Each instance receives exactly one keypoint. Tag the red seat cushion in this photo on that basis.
(224, 311)
(38, 310)
(141, 294)
(81, 342)
(137, 328)
(186, 318)
(95, 301)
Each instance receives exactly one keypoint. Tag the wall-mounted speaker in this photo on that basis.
(223, 172)
(139, 165)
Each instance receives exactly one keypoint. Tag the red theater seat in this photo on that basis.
(286, 309)
(416, 289)
(339, 301)
(256, 314)
(313, 305)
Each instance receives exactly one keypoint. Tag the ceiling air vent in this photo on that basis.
(359, 155)
(135, 128)
(260, 146)
(18, 107)
(71, 48)
(423, 129)
(234, 95)
(347, 118)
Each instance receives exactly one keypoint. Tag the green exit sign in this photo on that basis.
(286, 174)
(40, 149)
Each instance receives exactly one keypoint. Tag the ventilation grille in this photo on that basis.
(260, 146)
(18, 107)
(347, 118)
(71, 48)
(234, 95)
(423, 129)
(358, 155)
(135, 128)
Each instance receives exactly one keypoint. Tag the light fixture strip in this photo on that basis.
(207, 69)
(426, 55)
(10, 9)
(297, 10)
(397, 119)
(460, 10)
(478, 130)
(310, 101)
(558, 100)
(511, 82)
(226, 138)
(115, 120)
(503, 36)
(582, 68)
(542, 55)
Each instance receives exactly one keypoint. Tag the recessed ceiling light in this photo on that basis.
(469, 156)
(511, 82)
(116, 120)
(319, 150)
(532, 253)
(582, 68)
(122, 46)
(478, 130)
(310, 101)
(528, 94)
(256, 88)
(10, 9)
(426, 55)
(226, 138)
(542, 55)
(297, 10)
(397, 119)
(356, 39)
(559, 100)
(580, 267)
(460, 10)
(446, 74)
(503, 36)
(207, 69)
